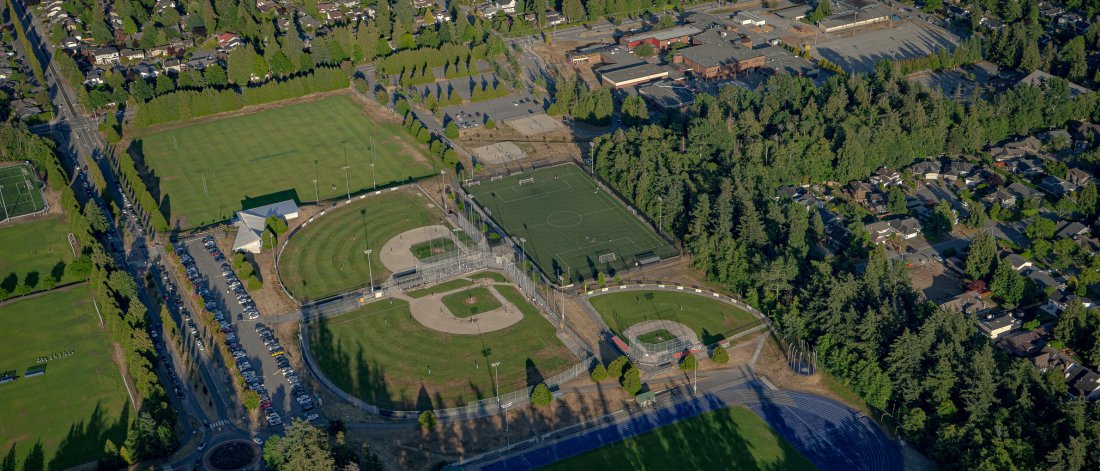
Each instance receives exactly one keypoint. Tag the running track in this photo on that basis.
(828, 433)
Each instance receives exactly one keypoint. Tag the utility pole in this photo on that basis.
(347, 182)
(370, 270)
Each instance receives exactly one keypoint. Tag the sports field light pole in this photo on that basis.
(523, 253)
(347, 183)
(561, 298)
(316, 174)
(441, 195)
(370, 270)
(374, 176)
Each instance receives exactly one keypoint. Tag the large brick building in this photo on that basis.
(660, 39)
(718, 60)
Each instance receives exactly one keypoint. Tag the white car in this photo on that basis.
(312, 417)
(199, 344)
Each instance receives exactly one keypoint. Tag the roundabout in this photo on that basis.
(232, 455)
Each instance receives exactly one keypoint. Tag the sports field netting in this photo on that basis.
(570, 226)
(19, 191)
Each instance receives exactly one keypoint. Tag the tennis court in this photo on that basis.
(567, 225)
(19, 191)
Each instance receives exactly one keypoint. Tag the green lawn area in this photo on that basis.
(440, 288)
(570, 229)
(471, 302)
(732, 438)
(491, 275)
(21, 192)
(205, 170)
(64, 417)
(709, 318)
(327, 256)
(655, 337)
(433, 247)
(384, 356)
(36, 247)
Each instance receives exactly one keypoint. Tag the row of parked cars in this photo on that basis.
(301, 395)
(231, 279)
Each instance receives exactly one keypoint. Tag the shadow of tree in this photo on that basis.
(87, 437)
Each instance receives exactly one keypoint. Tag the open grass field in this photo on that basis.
(384, 356)
(570, 227)
(471, 302)
(434, 247)
(62, 418)
(327, 256)
(20, 191)
(710, 319)
(732, 438)
(34, 249)
(205, 170)
(656, 336)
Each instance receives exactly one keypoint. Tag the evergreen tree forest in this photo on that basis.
(928, 373)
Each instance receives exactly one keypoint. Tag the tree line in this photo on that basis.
(713, 171)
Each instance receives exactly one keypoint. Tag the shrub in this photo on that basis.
(254, 283)
(688, 363)
(452, 130)
(427, 420)
(238, 260)
(541, 396)
(250, 400)
(490, 124)
(599, 373)
(720, 356)
(615, 368)
(632, 382)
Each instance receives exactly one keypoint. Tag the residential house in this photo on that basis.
(1086, 384)
(1016, 149)
(1078, 177)
(996, 325)
(1024, 343)
(1055, 135)
(1085, 133)
(132, 55)
(144, 70)
(884, 177)
(174, 65)
(228, 40)
(957, 169)
(163, 5)
(1072, 230)
(105, 56)
(159, 51)
(506, 6)
(969, 302)
(1055, 186)
(1002, 197)
(1025, 166)
(1022, 192)
(1061, 300)
(554, 18)
(926, 169)
(1017, 262)
(1088, 245)
(905, 228)
(93, 78)
(1050, 359)
(1044, 280)
(70, 44)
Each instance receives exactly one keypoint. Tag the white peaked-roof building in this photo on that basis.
(251, 222)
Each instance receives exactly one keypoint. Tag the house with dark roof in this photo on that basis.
(926, 169)
(1023, 343)
(1078, 177)
(1086, 384)
(1072, 230)
(1044, 280)
(1040, 78)
(1022, 192)
(1017, 262)
(1062, 300)
(718, 60)
(1055, 186)
(969, 302)
(1016, 149)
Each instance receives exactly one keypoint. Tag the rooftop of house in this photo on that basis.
(969, 302)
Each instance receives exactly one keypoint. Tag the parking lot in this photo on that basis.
(859, 51)
(256, 351)
(472, 115)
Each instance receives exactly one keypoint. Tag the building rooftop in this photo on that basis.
(717, 54)
(634, 72)
(1039, 78)
(664, 34)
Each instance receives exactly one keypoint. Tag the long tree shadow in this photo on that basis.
(87, 437)
(534, 376)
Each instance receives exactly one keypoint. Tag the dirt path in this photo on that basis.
(430, 312)
(397, 254)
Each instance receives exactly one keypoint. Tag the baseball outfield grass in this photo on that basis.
(206, 170)
(709, 318)
(384, 356)
(63, 417)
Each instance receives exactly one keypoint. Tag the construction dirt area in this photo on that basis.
(935, 282)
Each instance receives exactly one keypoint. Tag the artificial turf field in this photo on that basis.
(276, 150)
(39, 246)
(79, 403)
(710, 319)
(20, 191)
(732, 438)
(327, 256)
(567, 224)
(384, 356)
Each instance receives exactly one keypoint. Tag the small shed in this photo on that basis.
(646, 399)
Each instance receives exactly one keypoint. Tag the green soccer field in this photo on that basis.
(384, 356)
(327, 256)
(20, 191)
(64, 417)
(732, 438)
(34, 249)
(570, 228)
(710, 319)
(205, 170)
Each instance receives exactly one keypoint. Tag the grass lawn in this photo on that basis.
(491, 275)
(62, 418)
(433, 247)
(471, 302)
(327, 256)
(34, 249)
(440, 288)
(655, 337)
(568, 226)
(709, 318)
(732, 438)
(205, 170)
(384, 356)
(21, 191)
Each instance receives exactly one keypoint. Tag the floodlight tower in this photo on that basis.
(347, 182)
(370, 270)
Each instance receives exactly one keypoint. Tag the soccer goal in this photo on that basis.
(607, 257)
(524, 181)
